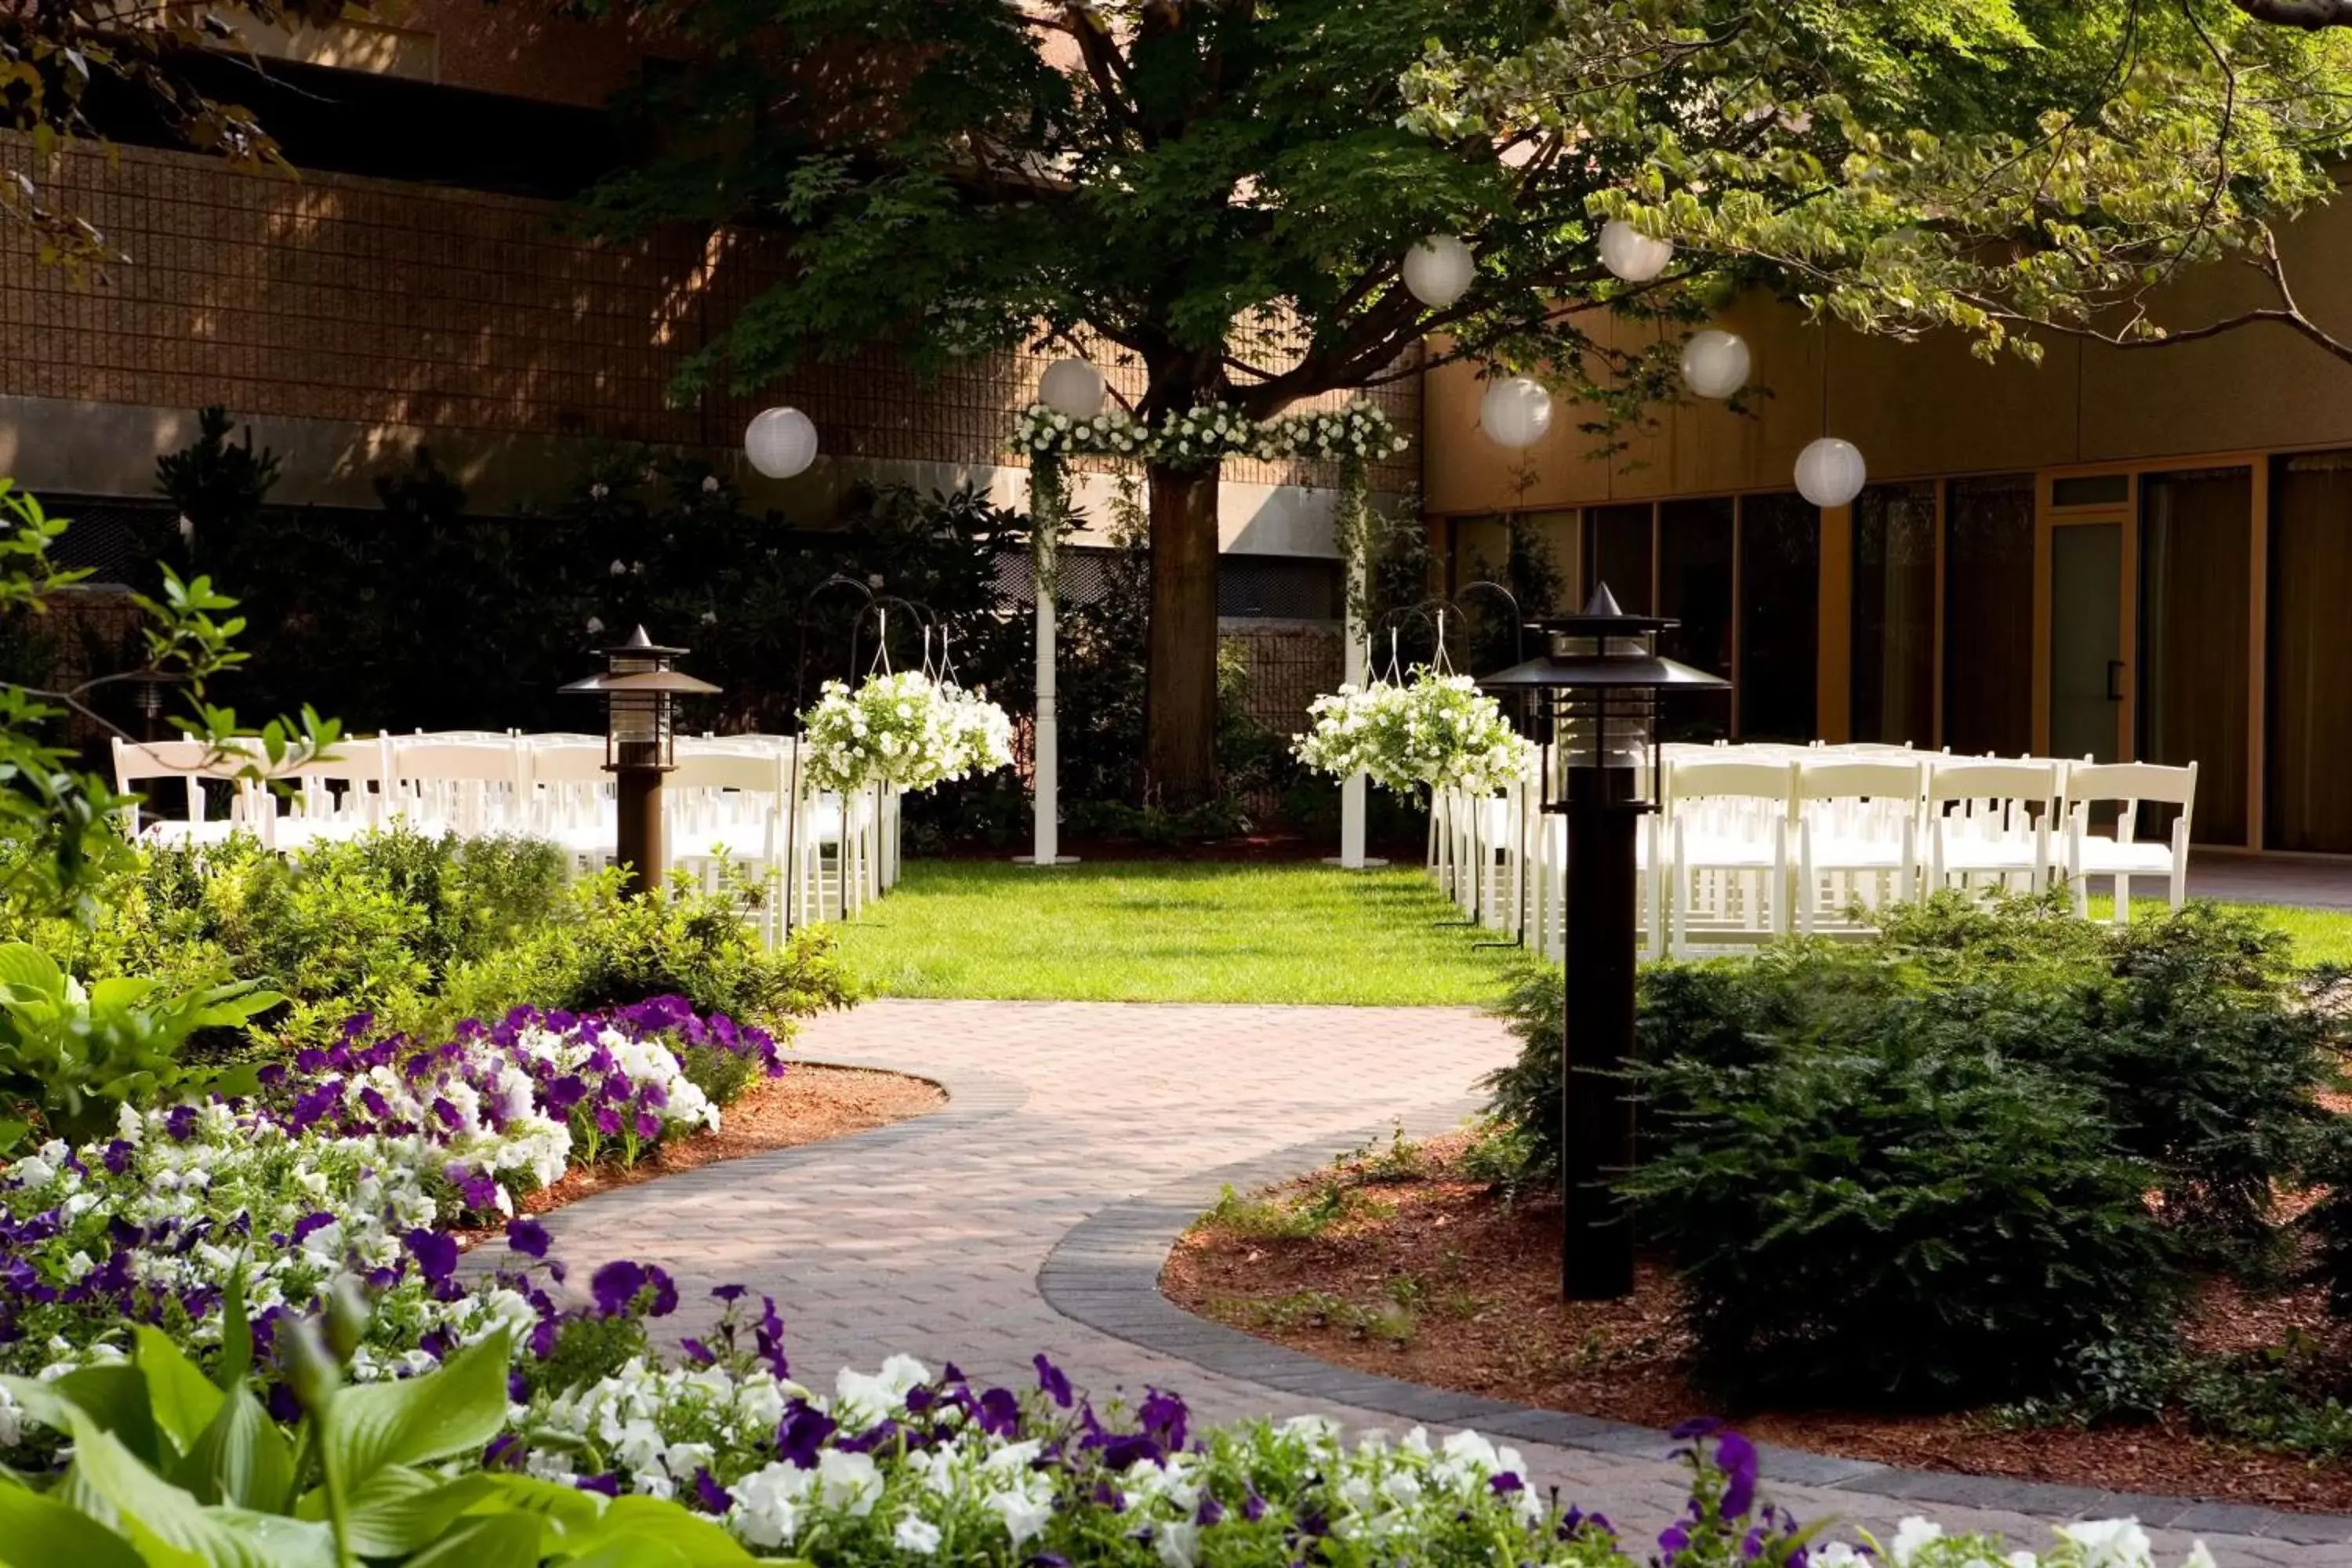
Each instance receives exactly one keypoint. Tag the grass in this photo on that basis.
(1173, 932)
(2321, 936)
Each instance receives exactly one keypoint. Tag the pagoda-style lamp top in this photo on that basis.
(640, 686)
(1596, 688)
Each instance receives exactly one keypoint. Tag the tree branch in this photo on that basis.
(2309, 15)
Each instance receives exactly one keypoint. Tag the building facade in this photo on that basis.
(2138, 553)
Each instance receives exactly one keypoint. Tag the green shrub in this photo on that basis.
(1895, 1216)
(1959, 1122)
(603, 949)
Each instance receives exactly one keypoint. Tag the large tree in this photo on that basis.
(1221, 191)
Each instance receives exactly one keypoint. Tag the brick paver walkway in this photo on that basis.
(928, 1236)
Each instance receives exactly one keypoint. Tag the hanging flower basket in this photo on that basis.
(906, 729)
(1437, 732)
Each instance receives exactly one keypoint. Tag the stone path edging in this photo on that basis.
(1104, 1273)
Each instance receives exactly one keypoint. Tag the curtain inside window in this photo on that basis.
(1988, 615)
(1695, 565)
(1779, 616)
(1894, 688)
(2308, 801)
(2195, 543)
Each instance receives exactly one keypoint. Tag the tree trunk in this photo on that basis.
(1180, 710)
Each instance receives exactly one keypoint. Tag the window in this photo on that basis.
(1988, 615)
(1278, 588)
(1618, 540)
(2307, 805)
(1894, 614)
(1779, 616)
(2196, 536)
(1695, 570)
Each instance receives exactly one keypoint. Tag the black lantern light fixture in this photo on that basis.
(1594, 697)
(640, 687)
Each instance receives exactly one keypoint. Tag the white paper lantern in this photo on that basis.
(1715, 363)
(1630, 254)
(1072, 387)
(780, 443)
(1515, 411)
(1831, 472)
(1439, 270)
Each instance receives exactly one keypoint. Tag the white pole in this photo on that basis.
(1045, 788)
(1355, 666)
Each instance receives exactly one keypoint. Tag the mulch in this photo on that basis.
(808, 1105)
(1436, 1281)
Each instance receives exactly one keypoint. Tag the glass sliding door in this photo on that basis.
(2308, 793)
(2195, 619)
(1893, 616)
(2086, 640)
(1779, 616)
(1695, 572)
(1988, 615)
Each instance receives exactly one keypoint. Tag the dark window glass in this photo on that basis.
(2094, 490)
(1619, 541)
(2195, 536)
(1988, 615)
(2309, 806)
(1779, 616)
(1695, 558)
(1894, 690)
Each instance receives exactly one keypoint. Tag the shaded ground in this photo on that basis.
(1426, 1275)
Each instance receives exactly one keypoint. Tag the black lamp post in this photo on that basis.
(640, 687)
(1594, 694)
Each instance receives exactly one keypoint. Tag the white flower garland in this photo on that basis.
(1360, 432)
(904, 729)
(1439, 732)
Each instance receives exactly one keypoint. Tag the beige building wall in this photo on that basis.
(1930, 408)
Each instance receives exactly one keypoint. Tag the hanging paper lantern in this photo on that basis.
(780, 443)
(1831, 472)
(1072, 386)
(1515, 411)
(1715, 363)
(1439, 270)
(1630, 254)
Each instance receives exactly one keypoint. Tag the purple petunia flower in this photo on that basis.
(1737, 1458)
(728, 1293)
(648, 1124)
(435, 1252)
(616, 1286)
(608, 1484)
(528, 1237)
(1000, 1413)
(709, 1493)
(180, 1123)
(801, 1433)
(1053, 1382)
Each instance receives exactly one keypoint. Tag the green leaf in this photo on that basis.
(236, 1332)
(400, 1511)
(699, 1542)
(115, 1399)
(493, 1540)
(172, 1530)
(25, 966)
(183, 1401)
(240, 1457)
(38, 1532)
(568, 1507)
(416, 1420)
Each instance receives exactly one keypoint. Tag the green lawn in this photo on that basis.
(1173, 931)
(2321, 936)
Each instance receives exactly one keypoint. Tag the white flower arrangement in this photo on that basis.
(905, 729)
(1438, 732)
(1360, 432)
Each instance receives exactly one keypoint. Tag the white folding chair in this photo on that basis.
(1990, 821)
(1857, 836)
(190, 763)
(335, 797)
(2123, 856)
(1728, 869)
(724, 818)
(568, 799)
(470, 787)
